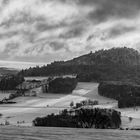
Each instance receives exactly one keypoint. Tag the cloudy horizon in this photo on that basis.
(37, 32)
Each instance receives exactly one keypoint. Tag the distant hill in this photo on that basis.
(103, 65)
(5, 71)
(121, 56)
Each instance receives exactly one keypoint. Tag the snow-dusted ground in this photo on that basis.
(28, 108)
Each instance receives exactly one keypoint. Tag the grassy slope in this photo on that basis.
(20, 133)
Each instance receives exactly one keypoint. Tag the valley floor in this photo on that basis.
(28, 108)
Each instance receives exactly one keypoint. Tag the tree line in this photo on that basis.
(127, 94)
(10, 82)
(60, 85)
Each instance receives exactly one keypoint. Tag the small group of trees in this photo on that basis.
(127, 94)
(17, 93)
(61, 85)
(84, 103)
(82, 118)
(5, 123)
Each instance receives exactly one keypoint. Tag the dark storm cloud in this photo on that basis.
(90, 37)
(44, 26)
(5, 2)
(41, 27)
(57, 45)
(20, 18)
(73, 32)
(110, 9)
(119, 30)
(8, 34)
(10, 47)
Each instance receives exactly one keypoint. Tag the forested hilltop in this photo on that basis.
(103, 65)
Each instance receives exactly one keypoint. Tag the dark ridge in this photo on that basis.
(121, 64)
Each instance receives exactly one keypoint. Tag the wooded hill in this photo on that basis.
(116, 64)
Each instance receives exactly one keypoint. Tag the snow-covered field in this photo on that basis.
(28, 108)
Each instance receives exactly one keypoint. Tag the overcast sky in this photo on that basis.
(41, 31)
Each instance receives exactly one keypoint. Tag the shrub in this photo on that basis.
(86, 103)
(7, 122)
(130, 119)
(0, 115)
(72, 104)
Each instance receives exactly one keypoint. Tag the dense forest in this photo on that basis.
(82, 118)
(9, 82)
(114, 64)
(61, 85)
(127, 94)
